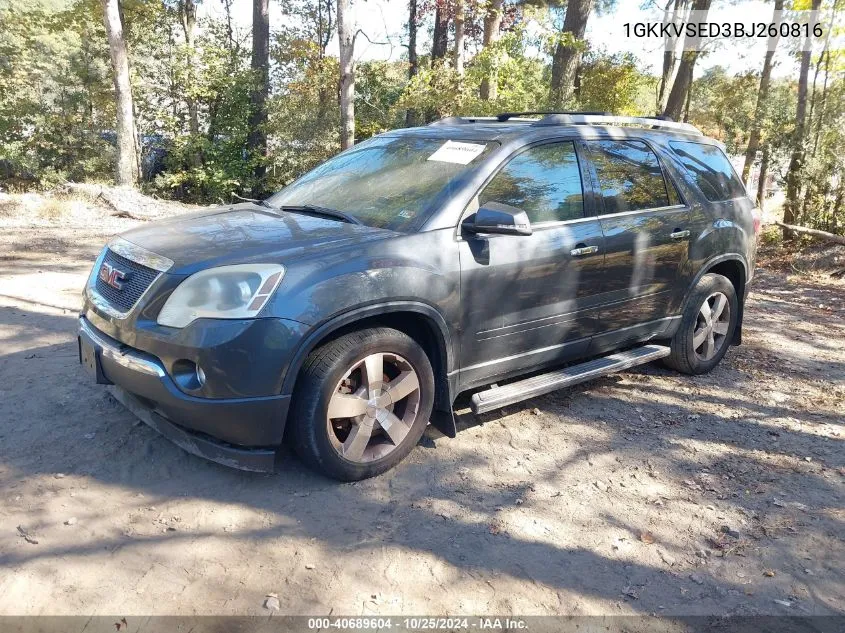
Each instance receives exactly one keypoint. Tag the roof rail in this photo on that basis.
(462, 120)
(662, 123)
(575, 118)
(504, 116)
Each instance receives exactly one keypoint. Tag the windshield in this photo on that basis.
(386, 182)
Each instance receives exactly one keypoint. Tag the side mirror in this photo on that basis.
(498, 219)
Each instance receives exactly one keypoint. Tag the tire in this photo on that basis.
(692, 354)
(341, 378)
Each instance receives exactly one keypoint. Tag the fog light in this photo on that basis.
(188, 375)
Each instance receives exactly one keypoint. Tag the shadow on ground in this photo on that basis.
(647, 492)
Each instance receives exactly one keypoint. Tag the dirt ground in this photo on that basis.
(645, 492)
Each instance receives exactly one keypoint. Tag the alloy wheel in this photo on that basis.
(373, 407)
(712, 325)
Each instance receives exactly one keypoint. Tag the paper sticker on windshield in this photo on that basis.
(455, 152)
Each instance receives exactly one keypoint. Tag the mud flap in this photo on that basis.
(737, 337)
(444, 421)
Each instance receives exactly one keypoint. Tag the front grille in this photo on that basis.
(138, 279)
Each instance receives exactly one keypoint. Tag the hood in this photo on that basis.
(246, 233)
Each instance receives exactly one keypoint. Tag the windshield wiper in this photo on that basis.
(315, 210)
(311, 209)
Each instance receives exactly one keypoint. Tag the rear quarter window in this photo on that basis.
(710, 169)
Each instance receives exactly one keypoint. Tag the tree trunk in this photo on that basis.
(230, 33)
(670, 52)
(822, 100)
(567, 57)
(683, 80)
(762, 98)
(796, 161)
(324, 34)
(686, 105)
(347, 75)
(681, 86)
(413, 64)
(188, 15)
(127, 145)
(826, 56)
(764, 174)
(458, 51)
(837, 204)
(257, 138)
(803, 230)
(440, 39)
(492, 23)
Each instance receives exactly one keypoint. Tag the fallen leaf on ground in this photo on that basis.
(647, 537)
(28, 536)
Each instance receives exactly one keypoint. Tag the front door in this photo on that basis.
(646, 228)
(528, 301)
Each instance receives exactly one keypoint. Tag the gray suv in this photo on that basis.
(349, 310)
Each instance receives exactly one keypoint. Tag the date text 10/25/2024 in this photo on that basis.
(419, 623)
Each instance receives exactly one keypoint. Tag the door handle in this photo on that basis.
(678, 235)
(584, 250)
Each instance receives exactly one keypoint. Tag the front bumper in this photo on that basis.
(239, 432)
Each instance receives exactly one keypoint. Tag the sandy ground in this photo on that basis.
(645, 492)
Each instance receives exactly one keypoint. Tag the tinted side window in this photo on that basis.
(543, 181)
(711, 170)
(629, 176)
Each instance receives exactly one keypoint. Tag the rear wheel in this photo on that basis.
(707, 326)
(362, 403)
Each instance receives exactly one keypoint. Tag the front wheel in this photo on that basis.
(362, 403)
(707, 326)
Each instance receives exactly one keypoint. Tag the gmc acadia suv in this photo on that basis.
(351, 308)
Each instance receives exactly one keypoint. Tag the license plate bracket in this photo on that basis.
(89, 358)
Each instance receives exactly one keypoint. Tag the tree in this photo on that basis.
(413, 64)
(790, 209)
(763, 176)
(568, 51)
(347, 75)
(492, 24)
(680, 9)
(260, 64)
(723, 106)
(614, 83)
(440, 38)
(127, 151)
(188, 16)
(683, 80)
(458, 51)
(762, 98)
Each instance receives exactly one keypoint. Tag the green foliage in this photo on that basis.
(723, 106)
(521, 83)
(304, 118)
(57, 113)
(614, 83)
(54, 92)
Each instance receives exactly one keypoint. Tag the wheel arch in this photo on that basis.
(420, 321)
(734, 267)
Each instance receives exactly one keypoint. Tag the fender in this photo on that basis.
(442, 417)
(706, 268)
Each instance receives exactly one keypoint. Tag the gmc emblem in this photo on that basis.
(114, 277)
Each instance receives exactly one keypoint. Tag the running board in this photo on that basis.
(498, 397)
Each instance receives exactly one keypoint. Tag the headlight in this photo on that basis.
(226, 292)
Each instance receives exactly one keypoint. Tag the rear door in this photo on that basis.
(646, 229)
(529, 300)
